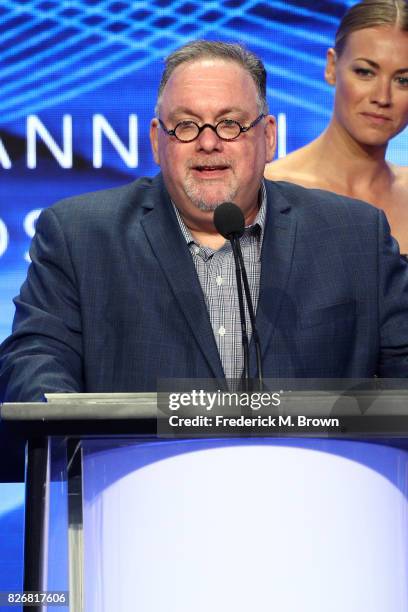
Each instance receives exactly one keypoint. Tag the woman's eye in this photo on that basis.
(363, 72)
(402, 81)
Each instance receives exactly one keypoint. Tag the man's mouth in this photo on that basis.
(210, 171)
(205, 168)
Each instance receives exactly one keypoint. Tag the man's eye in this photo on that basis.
(185, 126)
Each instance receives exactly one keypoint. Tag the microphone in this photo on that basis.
(229, 222)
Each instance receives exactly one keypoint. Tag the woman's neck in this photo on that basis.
(358, 168)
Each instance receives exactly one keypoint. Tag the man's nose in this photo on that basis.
(209, 140)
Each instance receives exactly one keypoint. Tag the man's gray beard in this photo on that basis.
(202, 205)
(193, 192)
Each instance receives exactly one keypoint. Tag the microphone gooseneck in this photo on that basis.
(229, 222)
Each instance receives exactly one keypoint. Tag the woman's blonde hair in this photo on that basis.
(368, 14)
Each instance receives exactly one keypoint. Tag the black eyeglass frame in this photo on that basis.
(242, 129)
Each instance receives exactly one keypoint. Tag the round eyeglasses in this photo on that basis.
(227, 129)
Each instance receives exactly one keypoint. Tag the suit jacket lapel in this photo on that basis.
(277, 255)
(170, 248)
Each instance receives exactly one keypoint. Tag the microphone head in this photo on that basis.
(229, 220)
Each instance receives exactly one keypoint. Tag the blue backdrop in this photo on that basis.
(78, 83)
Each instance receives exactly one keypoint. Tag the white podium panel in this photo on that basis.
(239, 525)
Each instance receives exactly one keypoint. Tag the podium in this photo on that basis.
(125, 520)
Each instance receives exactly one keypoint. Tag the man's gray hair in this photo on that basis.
(232, 52)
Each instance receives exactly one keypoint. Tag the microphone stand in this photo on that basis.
(241, 272)
(236, 249)
(252, 318)
(229, 221)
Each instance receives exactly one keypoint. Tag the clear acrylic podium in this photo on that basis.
(126, 521)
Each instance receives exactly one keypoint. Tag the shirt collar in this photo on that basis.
(257, 227)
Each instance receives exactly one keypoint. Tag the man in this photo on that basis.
(133, 284)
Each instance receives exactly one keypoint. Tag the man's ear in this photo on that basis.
(270, 137)
(154, 139)
(330, 70)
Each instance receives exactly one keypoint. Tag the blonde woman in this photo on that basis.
(369, 68)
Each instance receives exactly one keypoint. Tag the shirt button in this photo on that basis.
(222, 331)
(219, 280)
(196, 250)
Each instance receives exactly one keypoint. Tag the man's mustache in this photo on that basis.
(215, 162)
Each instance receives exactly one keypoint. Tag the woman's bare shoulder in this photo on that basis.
(400, 173)
(297, 167)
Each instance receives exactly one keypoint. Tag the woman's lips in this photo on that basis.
(376, 118)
